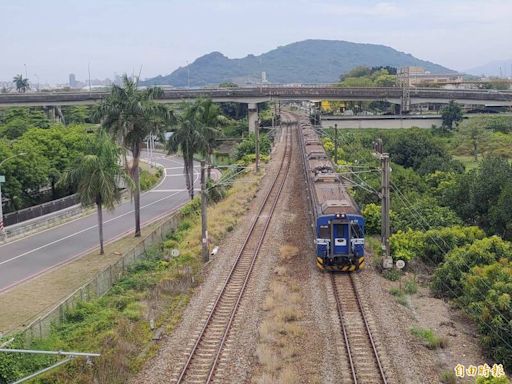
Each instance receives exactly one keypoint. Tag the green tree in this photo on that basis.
(187, 137)
(208, 119)
(22, 84)
(96, 175)
(451, 114)
(410, 147)
(129, 115)
(478, 191)
(474, 132)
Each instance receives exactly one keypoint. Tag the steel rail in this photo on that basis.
(185, 368)
(260, 243)
(345, 332)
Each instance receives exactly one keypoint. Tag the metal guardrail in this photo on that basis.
(317, 91)
(40, 210)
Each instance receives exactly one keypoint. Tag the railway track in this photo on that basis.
(362, 354)
(203, 360)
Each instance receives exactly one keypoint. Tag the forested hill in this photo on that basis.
(308, 61)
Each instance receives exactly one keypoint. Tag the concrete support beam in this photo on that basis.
(252, 116)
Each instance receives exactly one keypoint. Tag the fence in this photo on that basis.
(39, 210)
(102, 282)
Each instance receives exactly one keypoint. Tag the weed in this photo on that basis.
(410, 287)
(448, 377)
(400, 297)
(289, 376)
(267, 358)
(287, 314)
(429, 338)
(266, 378)
(392, 274)
(288, 252)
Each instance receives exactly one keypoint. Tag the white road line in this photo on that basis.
(93, 213)
(173, 190)
(84, 230)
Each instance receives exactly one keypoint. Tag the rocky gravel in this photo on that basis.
(314, 352)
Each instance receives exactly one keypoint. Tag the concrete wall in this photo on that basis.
(381, 123)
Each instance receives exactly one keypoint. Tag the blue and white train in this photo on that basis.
(339, 226)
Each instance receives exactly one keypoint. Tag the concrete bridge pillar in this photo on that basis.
(252, 116)
(55, 114)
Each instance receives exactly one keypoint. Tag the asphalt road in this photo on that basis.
(28, 257)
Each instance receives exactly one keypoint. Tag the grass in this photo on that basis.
(24, 302)
(277, 350)
(448, 377)
(392, 274)
(118, 325)
(410, 287)
(400, 296)
(429, 338)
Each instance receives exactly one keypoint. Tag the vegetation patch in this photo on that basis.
(429, 338)
(450, 219)
(155, 291)
(277, 349)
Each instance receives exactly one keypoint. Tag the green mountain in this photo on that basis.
(308, 61)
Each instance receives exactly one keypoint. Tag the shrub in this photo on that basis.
(423, 213)
(432, 245)
(487, 294)
(147, 180)
(448, 278)
(248, 146)
(492, 380)
(372, 217)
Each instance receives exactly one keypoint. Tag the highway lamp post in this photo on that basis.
(2, 180)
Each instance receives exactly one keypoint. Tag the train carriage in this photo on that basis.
(339, 226)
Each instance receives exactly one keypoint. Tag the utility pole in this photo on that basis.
(204, 228)
(387, 261)
(257, 139)
(336, 144)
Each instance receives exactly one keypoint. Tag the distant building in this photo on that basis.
(264, 77)
(72, 81)
(417, 77)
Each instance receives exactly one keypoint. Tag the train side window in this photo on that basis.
(356, 231)
(325, 232)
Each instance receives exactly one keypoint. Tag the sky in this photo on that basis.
(53, 38)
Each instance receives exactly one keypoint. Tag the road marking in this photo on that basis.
(173, 190)
(81, 217)
(84, 230)
(65, 262)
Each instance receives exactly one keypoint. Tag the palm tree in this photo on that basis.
(21, 83)
(188, 138)
(208, 119)
(130, 115)
(96, 175)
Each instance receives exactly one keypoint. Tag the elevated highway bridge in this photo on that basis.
(254, 95)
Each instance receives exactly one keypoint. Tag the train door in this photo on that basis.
(340, 238)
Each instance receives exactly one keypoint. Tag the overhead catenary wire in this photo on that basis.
(418, 215)
(421, 220)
